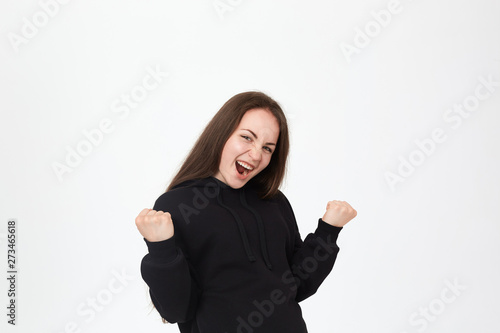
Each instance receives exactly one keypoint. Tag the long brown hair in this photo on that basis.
(207, 150)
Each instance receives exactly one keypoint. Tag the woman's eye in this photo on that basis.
(248, 139)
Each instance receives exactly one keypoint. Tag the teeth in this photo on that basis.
(245, 166)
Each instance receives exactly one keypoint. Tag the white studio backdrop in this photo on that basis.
(393, 106)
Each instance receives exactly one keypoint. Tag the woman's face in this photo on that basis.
(252, 144)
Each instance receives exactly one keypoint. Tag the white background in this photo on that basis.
(353, 119)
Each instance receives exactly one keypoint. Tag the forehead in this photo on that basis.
(260, 121)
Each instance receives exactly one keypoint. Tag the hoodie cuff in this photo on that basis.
(327, 229)
(164, 250)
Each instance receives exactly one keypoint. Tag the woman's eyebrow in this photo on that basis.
(255, 135)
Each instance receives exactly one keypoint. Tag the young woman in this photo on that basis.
(225, 253)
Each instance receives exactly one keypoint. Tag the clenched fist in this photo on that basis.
(154, 225)
(338, 213)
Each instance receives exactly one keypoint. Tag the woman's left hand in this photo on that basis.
(338, 213)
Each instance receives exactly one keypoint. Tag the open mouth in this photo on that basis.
(243, 168)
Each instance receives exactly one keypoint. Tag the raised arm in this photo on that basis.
(313, 258)
(165, 269)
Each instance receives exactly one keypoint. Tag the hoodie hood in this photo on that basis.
(220, 190)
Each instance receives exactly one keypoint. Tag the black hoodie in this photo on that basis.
(236, 263)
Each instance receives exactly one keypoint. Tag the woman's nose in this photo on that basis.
(255, 154)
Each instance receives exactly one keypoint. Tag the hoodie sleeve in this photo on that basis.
(166, 271)
(313, 258)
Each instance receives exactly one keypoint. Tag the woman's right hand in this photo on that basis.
(154, 225)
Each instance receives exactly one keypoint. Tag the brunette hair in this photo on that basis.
(207, 150)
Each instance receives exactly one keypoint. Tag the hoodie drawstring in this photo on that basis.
(260, 225)
(243, 234)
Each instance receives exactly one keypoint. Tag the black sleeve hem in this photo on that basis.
(325, 228)
(164, 251)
